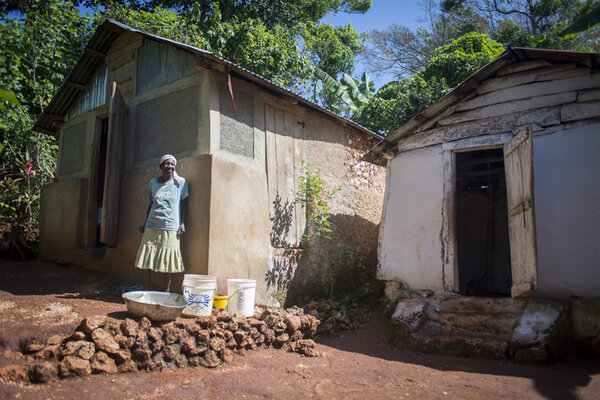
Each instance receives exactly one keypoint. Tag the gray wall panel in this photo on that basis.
(567, 211)
(237, 130)
(167, 124)
(72, 154)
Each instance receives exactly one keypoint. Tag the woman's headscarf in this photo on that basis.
(166, 157)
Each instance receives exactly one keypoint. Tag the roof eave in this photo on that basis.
(509, 56)
(117, 28)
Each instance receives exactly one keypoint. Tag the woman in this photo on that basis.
(167, 207)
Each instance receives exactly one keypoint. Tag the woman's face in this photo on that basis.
(167, 167)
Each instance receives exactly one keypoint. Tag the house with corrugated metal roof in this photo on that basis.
(240, 141)
(493, 192)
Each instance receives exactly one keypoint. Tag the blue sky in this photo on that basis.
(382, 14)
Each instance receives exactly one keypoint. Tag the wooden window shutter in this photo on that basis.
(117, 124)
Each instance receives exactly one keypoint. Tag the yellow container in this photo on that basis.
(219, 302)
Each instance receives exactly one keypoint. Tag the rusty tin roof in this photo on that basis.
(53, 116)
(378, 154)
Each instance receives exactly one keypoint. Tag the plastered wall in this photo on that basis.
(239, 227)
(223, 157)
(74, 140)
(162, 125)
(61, 209)
(567, 211)
(410, 246)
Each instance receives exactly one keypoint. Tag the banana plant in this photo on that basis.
(6, 97)
(582, 24)
(351, 93)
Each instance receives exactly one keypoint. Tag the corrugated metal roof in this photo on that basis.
(107, 33)
(377, 155)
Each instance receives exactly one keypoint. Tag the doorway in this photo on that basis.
(99, 180)
(482, 230)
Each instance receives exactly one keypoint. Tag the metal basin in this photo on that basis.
(157, 306)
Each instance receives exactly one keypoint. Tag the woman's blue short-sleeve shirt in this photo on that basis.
(164, 199)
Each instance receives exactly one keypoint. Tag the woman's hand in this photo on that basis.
(142, 228)
(181, 230)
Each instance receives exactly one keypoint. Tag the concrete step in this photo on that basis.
(455, 303)
(528, 330)
(473, 321)
(458, 343)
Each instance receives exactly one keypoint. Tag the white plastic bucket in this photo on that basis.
(199, 291)
(191, 279)
(241, 293)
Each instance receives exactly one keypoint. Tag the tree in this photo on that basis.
(525, 23)
(540, 21)
(253, 34)
(42, 39)
(39, 46)
(399, 101)
(348, 95)
(582, 24)
(405, 52)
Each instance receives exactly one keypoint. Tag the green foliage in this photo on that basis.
(584, 23)
(277, 45)
(245, 42)
(39, 46)
(332, 49)
(509, 33)
(532, 23)
(457, 60)
(353, 279)
(287, 13)
(314, 198)
(346, 96)
(540, 22)
(9, 97)
(399, 101)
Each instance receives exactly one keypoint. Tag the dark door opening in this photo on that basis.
(100, 178)
(483, 245)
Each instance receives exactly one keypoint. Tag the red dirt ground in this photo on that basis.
(41, 299)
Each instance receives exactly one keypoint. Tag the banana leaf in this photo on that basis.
(582, 24)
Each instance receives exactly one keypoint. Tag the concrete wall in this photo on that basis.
(560, 102)
(335, 151)
(240, 242)
(240, 226)
(410, 247)
(59, 226)
(73, 143)
(567, 211)
(228, 224)
(162, 125)
(61, 209)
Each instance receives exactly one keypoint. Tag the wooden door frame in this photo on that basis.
(448, 234)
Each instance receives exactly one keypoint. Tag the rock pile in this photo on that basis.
(335, 316)
(104, 345)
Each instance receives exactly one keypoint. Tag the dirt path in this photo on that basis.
(41, 299)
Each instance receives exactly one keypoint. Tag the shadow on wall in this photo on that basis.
(285, 254)
(281, 222)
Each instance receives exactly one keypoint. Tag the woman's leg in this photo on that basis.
(146, 279)
(168, 279)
